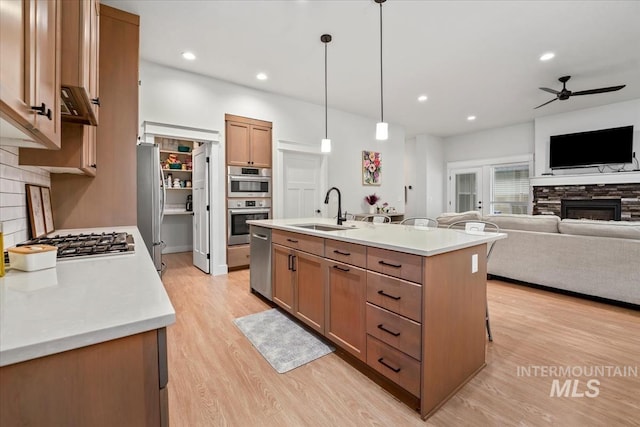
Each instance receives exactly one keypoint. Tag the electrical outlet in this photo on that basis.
(474, 263)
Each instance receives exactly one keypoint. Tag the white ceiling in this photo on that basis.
(470, 57)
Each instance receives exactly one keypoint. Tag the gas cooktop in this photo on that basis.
(87, 245)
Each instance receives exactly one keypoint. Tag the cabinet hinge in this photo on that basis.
(139, 82)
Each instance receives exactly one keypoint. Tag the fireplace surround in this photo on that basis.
(547, 199)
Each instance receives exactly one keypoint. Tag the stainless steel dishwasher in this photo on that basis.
(260, 256)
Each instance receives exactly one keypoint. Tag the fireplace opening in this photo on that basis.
(600, 209)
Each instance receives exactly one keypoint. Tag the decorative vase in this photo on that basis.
(372, 209)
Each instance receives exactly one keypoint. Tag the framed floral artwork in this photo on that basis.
(371, 168)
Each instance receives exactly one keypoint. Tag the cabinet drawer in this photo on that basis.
(350, 253)
(311, 244)
(397, 331)
(238, 256)
(393, 364)
(405, 266)
(396, 295)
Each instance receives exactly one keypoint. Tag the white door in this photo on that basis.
(465, 190)
(201, 219)
(302, 198)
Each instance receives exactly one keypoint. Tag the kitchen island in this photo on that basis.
(84, 343)
(407, 302)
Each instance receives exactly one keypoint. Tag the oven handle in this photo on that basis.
(249, 178)
(246, 211)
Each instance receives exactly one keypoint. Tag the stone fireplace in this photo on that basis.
(601, 209)
(548, 199)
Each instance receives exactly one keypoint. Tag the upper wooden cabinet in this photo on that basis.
(79, 79)
(248, 142)
(79, 68)
(30, 72)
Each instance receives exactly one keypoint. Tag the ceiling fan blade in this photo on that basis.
(546, 89)
(548, 102)
(601, 90)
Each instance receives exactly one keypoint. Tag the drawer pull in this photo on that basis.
(388, 264)
(396, 370)
(292, 240)
(341, 253)
(381, 327)
(384, 294)
(341, 269)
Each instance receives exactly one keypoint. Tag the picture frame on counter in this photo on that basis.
(36, 211)
(48, 211)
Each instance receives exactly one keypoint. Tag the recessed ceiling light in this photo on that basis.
(261, 76)
(471, 118)
(547, 56)
(422, 98)
(188, 55)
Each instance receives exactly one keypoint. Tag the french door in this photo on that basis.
(465, 190)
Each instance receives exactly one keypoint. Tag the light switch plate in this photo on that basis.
(474, 263)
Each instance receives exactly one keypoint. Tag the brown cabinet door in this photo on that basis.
(346, 308)
(238, 138)
(260, 146)
(310, 290)
(94, 52)
(283, 277)
(47, 68)
(14, 69)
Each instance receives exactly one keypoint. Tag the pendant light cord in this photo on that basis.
(325, 93)
(381, 91)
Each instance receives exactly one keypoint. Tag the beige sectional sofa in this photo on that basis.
(597, 258)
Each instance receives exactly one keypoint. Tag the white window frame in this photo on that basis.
(487, 167)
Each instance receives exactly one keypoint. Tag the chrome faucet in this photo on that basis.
(326, 202)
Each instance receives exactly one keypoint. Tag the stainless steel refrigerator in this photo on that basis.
(151, 200)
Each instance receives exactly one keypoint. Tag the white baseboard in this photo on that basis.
(176, 249)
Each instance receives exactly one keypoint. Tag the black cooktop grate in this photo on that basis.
(83, 245)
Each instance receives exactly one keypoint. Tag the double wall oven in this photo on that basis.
(248, 198)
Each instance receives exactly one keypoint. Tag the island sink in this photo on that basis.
(323, 227)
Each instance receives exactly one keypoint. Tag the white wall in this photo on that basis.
(506, 141)
(607, 116)
(13, 201)
(173, 96)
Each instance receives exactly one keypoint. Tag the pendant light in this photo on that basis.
(325, 146)
(382, 128)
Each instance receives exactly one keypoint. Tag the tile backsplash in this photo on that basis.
(13, 202)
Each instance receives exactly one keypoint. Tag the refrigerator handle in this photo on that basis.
(163, 186)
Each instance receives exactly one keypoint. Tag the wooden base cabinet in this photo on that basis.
(346, 296)
(298, 285)
(418, 321)
(116, 383)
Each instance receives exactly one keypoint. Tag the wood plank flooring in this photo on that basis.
(217, 378)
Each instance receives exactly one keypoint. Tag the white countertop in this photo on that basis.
(404, 238)
(81, 302)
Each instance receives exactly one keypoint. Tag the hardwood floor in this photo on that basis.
(217, 378)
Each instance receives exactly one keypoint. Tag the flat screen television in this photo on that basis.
(598, 147)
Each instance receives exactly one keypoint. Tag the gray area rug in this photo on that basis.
(285, 344)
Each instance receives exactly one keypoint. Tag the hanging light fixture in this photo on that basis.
(382, 128)
(325, 146)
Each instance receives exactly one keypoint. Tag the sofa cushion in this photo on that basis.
(541, 223)
(618, 229)
(450, 217)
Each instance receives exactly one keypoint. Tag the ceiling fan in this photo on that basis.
(565, 94)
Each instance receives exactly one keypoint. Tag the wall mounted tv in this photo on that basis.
(598, 147)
